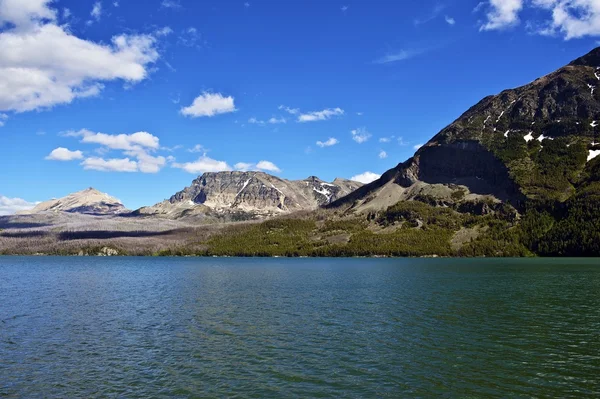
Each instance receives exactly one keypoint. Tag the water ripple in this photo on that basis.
(328, 328)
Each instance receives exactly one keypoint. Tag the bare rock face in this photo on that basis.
(89, 201)
(253, 193)
(531, 143)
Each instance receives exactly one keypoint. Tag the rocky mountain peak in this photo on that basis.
(87, 201)
(252, 193)
(591, 59)
(533, 142)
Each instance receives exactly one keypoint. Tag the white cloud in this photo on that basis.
(97, 11)
(383, 154)
(138, 145)
(503, 14)
(64, 154)
(344, 8)
(262, 166)
(165, 31)
(268, 166)
(171, 4)
(243, 166)
(255, 121)
(366, 177)
(272, 121)
(189, 37)
(117, 141)
(209, 104)
(401, 55)
(572, 18)
(8, 206)
(292, 111)
(568, 18)
(202, 165)
(3, 119)
(275, 121)
(386, 139)
(116, 3)
(331, 141)
(43, 64)
(246, 4)
(450, 21)
(197, 148)
(320, 115)
(360, 135)
(110, 165)
(433, 15)
(66, 13)
(26, 13)
(417, 146)
(147, 163)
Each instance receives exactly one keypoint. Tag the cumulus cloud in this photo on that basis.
(267, 166)
(42, 64)
(360, 135)
(117, 141)
(417, 146)
(328, 143)
(366, 177)
(202, 165)
(138, 147)
(64, 154)
(209, 104)
(110, 165)
(502, 14)
(8, 206)
(382, 154)
(571, 18)
(320, 115)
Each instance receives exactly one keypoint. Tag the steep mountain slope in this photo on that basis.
(89, 201)
(249, 194)
(529, 143)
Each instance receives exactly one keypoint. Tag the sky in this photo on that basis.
(137, 98)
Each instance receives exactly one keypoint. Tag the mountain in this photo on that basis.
(89, 201)
(530, 143)
(518, 174)
(249, 195)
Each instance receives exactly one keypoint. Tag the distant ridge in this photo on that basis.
(89, 201)
(250, 193)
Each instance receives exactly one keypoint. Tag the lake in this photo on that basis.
(330, 328)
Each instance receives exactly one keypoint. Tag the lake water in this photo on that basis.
(165, 327)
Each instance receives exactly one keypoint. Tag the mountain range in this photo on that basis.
(517, 174)
(241, 195)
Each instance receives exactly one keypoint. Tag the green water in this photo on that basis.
(337, 328)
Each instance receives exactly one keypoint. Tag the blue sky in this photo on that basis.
(137, 98)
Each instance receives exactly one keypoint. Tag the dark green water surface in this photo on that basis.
(336, 328)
